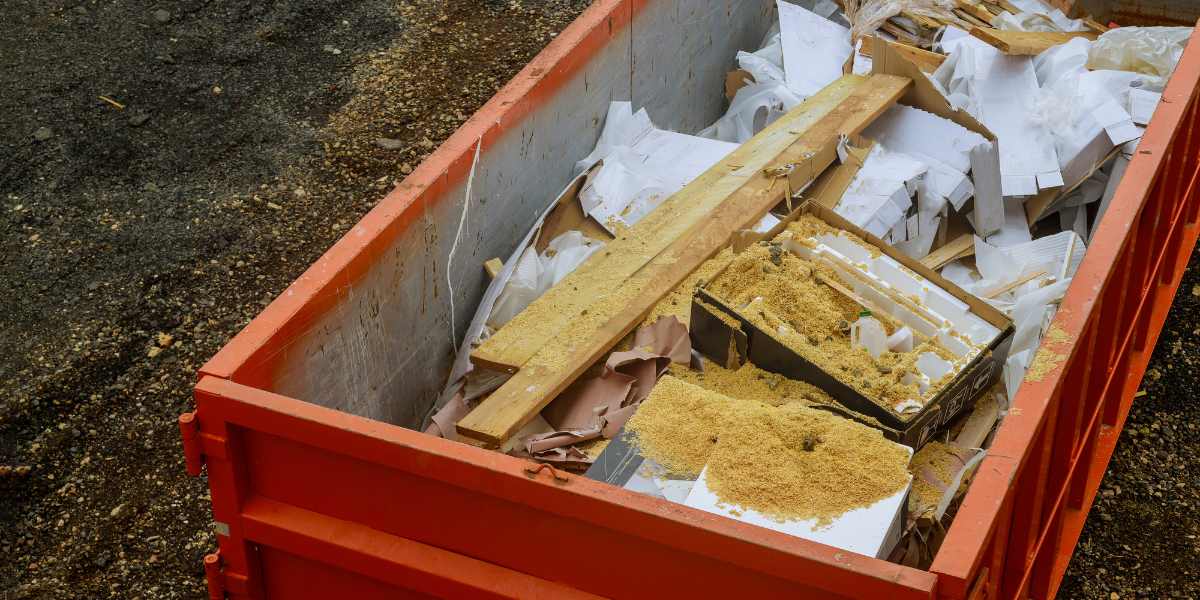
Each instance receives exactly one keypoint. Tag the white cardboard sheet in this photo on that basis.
(814, 48)
(872, 531)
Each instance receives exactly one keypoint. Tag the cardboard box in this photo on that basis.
(713, 335)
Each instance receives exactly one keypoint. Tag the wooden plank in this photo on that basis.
(549, 315)
(963, 245)
(1027, 43)
(734, 194)
(925, 60)
(493, 267)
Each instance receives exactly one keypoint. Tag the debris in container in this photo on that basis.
(1011, 113)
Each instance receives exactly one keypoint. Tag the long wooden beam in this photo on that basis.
(731, 196)
(1027, 43)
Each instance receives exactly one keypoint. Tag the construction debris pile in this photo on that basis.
(811, 315)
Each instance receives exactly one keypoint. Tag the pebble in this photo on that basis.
(42, 134)
(139, 119)
(116, 511)
(389, 144)
(162, 16)
(331, 50)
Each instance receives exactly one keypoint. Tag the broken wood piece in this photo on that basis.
(829, 188)
(583, 316)
(1027, 43)
(992, 293)
(493, 267)
(926, 61)
(977, 426)
(975, 10)
(959, 247)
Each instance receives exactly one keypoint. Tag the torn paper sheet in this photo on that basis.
(879, 197)
(940, 143)
(641, 166)
(1000, 90)
(1142, 104)
(1084, 113)
(814, 48)
(1058, 254)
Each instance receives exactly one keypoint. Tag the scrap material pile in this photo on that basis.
(811, 314)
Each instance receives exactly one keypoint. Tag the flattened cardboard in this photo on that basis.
(985, 160)
(713, 336)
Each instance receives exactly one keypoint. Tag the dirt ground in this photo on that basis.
(166, 169)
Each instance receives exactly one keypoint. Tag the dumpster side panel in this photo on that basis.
(1021, 518)
(691, 46)
(378, 501)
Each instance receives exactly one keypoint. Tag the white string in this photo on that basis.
(462, 220)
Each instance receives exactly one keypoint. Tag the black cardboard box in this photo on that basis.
(716, 338)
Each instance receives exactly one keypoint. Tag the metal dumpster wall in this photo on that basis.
(368, 329)
(1020, 521)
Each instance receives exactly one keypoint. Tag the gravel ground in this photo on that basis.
(166, 169)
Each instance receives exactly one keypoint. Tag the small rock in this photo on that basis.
(42, 134)
(165, 339)
(162, 16)
(273, 206)
(331, 50)
(154, 351)
(406, 168)
(1196, 290)
(116, 511)
(216, 90)
(389, 144)
(139, 119)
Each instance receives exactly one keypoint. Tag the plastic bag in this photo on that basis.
(1152, 51)
(753, 107)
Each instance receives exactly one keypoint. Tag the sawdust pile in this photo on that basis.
(791, 299)
(786, 462)
(752, 383)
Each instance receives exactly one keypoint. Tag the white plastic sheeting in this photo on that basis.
(1000, 91)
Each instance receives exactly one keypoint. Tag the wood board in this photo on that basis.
(1027, 43)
